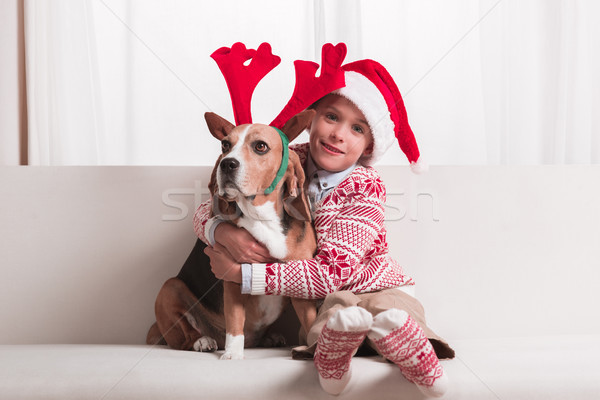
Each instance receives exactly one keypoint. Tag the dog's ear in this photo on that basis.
(213, 187)
(218, 126)
(295, 201)
(220, 206)
(226, 209)
(298, 123)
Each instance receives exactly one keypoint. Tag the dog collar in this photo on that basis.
(284, 161)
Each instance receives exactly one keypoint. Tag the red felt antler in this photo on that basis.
(309, 88)
(242, 79)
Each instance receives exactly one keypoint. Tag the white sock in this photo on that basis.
(338, 342)
(401, 340)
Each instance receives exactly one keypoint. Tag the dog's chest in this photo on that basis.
(265, 225)
(270, 308)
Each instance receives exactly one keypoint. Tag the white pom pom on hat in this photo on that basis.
(372, 89)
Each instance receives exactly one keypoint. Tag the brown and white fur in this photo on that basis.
(280, 220)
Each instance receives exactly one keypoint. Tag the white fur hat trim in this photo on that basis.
(367, 97)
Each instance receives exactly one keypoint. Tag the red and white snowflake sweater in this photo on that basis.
(352, 251)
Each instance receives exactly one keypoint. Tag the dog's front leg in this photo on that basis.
(306, 310)
(235, 318)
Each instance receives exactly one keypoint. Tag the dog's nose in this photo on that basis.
(229, 164)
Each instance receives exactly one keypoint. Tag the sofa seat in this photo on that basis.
(545, 368)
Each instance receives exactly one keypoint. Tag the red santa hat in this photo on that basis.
(372, 89)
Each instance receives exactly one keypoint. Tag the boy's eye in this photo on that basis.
(331, 116)
(225, 146)
(358, 128)
(261, 147)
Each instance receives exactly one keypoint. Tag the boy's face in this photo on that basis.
(339, 134)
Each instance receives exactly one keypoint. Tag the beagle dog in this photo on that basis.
(261, 191)
(257, 184)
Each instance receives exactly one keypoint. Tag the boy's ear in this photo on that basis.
(369, 150)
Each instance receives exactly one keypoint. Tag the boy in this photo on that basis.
(366, 292)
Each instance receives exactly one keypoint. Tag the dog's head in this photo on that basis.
(250, 161)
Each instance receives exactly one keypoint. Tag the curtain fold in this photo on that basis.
(489, 82)
(12, 78)
(63, 90)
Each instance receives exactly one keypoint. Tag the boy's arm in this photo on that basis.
(339, 258)
(240, 244)
(203, 223)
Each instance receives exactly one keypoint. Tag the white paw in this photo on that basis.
(205, 343)
(234, 347)
(232, 355)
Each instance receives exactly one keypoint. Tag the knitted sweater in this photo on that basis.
(352, 251)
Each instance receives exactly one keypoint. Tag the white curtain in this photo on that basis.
(484, 82)
(540, 81)
(12, 80)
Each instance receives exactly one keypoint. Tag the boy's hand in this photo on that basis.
(222, 265)
(241, 245)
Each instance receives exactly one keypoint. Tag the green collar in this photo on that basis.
(284, 162)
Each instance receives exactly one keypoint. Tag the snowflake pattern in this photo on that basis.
(339, 264)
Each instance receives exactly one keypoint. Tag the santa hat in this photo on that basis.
(372, 89)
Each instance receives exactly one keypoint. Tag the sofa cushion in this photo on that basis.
(547, 368)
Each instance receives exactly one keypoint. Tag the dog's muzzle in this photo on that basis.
(228, 167)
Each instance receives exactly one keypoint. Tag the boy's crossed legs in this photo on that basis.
(393, 332)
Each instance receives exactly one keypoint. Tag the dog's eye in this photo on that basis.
(261, 147)
(225, 146)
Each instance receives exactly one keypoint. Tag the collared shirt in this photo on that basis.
(321, 182)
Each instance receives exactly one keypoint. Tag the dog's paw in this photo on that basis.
(232, 355)
(272, 339)
(205, 343)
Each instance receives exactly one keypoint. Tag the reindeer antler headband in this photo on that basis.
(243, 77)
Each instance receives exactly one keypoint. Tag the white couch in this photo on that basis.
(506, 259)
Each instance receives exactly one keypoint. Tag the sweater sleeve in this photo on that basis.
(202, 221)
(341, 251)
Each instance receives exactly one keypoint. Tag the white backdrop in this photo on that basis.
(485, 82)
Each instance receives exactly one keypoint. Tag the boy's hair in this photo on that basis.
(314, 105)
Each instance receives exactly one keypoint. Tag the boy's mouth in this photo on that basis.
(331, 149)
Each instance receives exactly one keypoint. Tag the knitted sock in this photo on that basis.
(338, 342)
(401, 340)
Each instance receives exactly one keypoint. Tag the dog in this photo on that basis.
(254, 189)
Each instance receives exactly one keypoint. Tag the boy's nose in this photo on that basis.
(337, 134)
